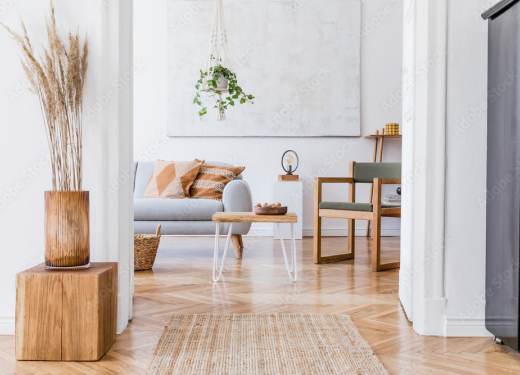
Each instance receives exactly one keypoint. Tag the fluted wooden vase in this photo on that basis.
(67, 230)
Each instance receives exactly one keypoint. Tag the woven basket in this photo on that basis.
(145, 250)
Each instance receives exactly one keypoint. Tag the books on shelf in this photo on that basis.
(392, 199)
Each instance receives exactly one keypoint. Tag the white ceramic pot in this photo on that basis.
(222, 83)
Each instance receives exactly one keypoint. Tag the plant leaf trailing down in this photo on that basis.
(212, 76)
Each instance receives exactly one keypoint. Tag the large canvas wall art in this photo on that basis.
(300, 59)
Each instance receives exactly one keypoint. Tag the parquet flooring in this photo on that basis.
(181, 283)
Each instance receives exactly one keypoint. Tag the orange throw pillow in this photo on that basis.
(212, 180)
(172, 179)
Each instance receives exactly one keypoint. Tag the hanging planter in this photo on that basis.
(217, 80)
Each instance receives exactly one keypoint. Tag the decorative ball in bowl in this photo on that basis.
(270, 209)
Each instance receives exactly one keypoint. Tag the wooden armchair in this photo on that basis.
(377, 173)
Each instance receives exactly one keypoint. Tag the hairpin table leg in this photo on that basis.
(293, 269)
(215, 254)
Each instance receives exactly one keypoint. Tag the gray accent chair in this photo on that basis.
(189, 216)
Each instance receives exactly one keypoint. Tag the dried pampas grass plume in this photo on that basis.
(58, 78)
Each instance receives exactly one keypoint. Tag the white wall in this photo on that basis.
(466, 135)
(381, 57)
(25, 170)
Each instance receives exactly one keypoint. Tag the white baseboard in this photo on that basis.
(7, 325)
(466, 327)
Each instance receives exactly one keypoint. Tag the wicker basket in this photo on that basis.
(145, 250)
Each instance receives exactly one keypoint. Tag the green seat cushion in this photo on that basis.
(346, 206)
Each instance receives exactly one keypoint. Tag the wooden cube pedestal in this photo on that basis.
(66, 315)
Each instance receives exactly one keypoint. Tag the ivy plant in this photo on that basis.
(211, 77)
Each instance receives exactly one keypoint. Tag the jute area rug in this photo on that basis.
(263, 344)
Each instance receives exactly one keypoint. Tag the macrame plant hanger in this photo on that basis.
(218, 49)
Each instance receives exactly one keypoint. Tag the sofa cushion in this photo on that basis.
(175, 209)
(144, 170)
(172, 179)
(212, 180)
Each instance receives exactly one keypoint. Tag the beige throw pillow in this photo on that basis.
(212, 180)
(171, 180)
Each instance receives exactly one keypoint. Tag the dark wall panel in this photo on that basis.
(503, 177)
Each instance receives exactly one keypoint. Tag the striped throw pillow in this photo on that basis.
(212, 180)
(172, 179)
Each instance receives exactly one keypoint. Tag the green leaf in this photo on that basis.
(232, 103)
(203, 111)
(242, 101)
(250, 97)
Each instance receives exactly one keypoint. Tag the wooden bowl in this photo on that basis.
(270, 210)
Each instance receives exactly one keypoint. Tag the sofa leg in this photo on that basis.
(236, 245)
(240, 241)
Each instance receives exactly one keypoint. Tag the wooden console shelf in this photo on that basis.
(383, 136)
(66, 315)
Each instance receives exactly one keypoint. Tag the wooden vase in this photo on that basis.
(67, 230)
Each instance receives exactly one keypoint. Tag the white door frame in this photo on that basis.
(424, 159)
(405, 273)
(117, 119)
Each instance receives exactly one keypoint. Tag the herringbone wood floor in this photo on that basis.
(181, 283)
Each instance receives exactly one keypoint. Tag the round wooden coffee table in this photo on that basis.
(250, 217)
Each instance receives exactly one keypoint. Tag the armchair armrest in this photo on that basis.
(237, 198)
(319, 181)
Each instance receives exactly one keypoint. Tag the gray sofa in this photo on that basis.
(188, 216)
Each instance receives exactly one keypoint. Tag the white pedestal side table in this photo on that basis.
(290, 194)
(250, 217)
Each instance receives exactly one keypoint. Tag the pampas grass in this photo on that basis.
(58, 78)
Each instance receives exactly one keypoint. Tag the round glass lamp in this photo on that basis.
(290, 162)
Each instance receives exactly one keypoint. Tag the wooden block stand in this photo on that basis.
(66, 315)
